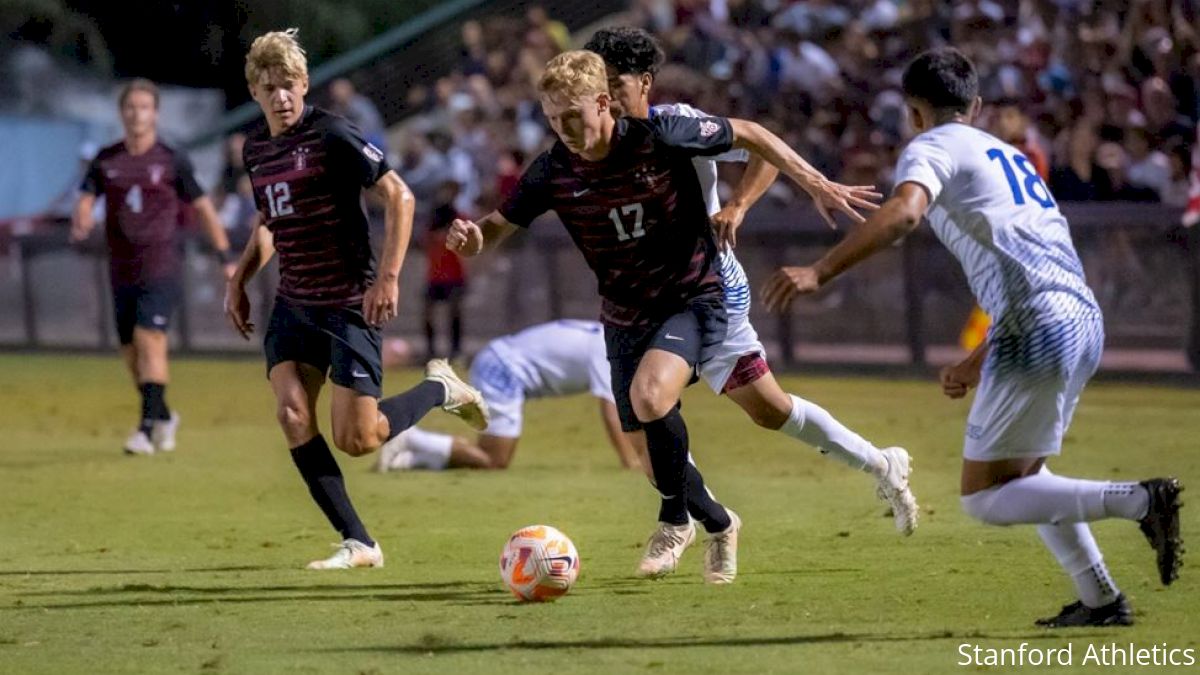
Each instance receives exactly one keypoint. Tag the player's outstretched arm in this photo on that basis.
(756, 179)
(255, 256)
(82, 221)
(214, 229)
(826, 194)
(469, 238)
(381, 301)
(897, 217)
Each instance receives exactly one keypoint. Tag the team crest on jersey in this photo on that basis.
(373, 153)
(708, 128)
(646, 178)
(156, 173)
(301, 156)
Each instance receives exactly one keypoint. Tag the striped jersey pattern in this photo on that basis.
(144, 198)
(308, 184)
(638, 215)
(733, 276)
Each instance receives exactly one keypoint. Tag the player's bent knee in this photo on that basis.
(650, 400)
(356, 443)
(979, 505)
(294, 420)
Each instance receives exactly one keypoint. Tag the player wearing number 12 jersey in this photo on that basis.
(985, 202)
(627, 193)
(309, 169)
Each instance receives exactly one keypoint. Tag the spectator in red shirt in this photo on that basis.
(446, 277)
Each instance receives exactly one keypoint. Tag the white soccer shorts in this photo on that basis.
(1029, 389)
(503, 392)
(740, 340)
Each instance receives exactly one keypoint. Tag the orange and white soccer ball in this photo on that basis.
(539, 563)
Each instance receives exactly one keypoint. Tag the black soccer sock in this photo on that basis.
(430, 339)
(667, 442)
(455, 335)
(152, 405)
(324, 479)
(404, 410)
(701, 504)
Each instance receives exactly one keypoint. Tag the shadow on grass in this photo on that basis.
(167, 595)
(437, 644)
(227, 568)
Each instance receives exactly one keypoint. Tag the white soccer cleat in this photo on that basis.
(462, 399)
(350, 553)
(664, 548)
(139, 443)
(395, 455)
(720, 553)
(893, 489)
(162, 434)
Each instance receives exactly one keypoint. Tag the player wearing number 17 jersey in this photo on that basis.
(627, 193)
(985, 202)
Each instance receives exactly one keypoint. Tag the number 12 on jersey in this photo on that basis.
(629, 209)
(279, 197)
(1033, 185)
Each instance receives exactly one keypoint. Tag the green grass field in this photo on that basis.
(192, 562)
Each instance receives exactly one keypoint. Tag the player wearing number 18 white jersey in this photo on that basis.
(987, 205)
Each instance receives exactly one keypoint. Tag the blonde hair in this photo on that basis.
(277, 49)
(574, 74)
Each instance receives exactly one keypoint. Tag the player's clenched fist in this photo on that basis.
(465, 238)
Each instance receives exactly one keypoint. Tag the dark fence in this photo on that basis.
(907, 306)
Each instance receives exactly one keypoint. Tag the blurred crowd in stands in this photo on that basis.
(1104, 95)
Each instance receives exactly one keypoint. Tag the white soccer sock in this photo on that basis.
(1047, 498)
(1075, 549)
(430, 450)
(812, 424)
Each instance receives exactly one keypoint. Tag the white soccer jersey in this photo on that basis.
(558, 358)
(990, 208)
(733, 277)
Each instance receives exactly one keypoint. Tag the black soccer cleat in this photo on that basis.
(1076, 615)
(1161, 526)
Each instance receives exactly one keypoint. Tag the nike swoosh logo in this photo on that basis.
(581, 192)
(358, 374)
(673, 337)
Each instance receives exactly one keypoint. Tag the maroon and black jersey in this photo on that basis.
(143, 197)
(308, 184)
(638, 215)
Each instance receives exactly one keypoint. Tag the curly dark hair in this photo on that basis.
(944, 78)
(630, 51)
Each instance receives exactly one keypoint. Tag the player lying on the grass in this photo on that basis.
(309, 169)
(987, 205)
(145, 184)
(739, 368)
(559, 358)
(628, 195)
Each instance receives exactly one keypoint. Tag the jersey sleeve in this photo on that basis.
(354, 155)
(925, 163)
(685, 110)
(694, 136)
(93, 179)
(185, 179)
(530, 199)
(599, 371)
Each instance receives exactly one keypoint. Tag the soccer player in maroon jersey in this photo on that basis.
(145, 184)
(739, 369)
(627, 192)
(309, 169)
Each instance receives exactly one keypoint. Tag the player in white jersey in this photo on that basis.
(739, 369)
(989, 207)
(559, 358)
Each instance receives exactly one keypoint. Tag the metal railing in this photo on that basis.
(904, 307)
